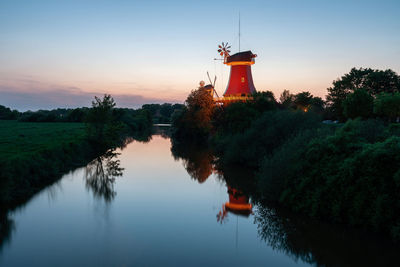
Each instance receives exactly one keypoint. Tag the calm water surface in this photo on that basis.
(157, 209)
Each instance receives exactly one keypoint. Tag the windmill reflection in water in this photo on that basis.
(238, 204)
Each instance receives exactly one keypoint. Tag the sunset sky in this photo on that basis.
(62, 53)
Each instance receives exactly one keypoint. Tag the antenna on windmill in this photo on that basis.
(239, 31)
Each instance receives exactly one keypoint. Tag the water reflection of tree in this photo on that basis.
(198, 161)
(100, 175)
(321, 244)
(163, 131)
(7, 225)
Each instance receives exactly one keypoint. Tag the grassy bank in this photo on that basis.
(33, 155)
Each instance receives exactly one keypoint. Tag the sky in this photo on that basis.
(61, 53)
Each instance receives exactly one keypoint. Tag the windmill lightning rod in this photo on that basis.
(239, 31)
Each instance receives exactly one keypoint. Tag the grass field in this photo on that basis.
(35, 154)
(26, 139)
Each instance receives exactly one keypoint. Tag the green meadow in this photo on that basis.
(28, 139)
(35, 154)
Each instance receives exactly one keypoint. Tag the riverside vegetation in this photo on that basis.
(346, 172)
(36, 148)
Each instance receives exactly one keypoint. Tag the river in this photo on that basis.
(148, 205)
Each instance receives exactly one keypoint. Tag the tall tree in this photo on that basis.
(264, 101)
(372, 81)
(358, 104)
(286, 98)
(102, 126)
(200, 106)
(194, 120)
(303, 100)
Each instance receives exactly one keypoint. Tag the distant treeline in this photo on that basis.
(162, 113)
(346, 173)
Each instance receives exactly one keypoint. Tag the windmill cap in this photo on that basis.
(246, 57)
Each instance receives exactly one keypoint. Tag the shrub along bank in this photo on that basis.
(349, 176)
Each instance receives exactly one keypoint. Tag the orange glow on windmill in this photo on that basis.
(240, 86)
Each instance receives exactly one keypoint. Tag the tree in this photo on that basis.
(373, 81)
(387, 106)
(264, 101)
(8, 114)
(358, 104)
(286, 98)
(200, 106)
(303, 100)
(317, 105)
(102, 126)
(194, 120)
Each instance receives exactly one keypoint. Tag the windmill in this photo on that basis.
(212, 85)
(223, 50)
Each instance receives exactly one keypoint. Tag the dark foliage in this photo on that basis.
(8, 114)
(162, 113)
(266, 133)
(348, 176)
(387, 106)
(372, 81)
(358, 104)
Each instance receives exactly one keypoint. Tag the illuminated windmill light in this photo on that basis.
(240, 85)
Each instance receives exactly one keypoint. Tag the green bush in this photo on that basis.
(349, 176)
(266, 133)
(387, 106)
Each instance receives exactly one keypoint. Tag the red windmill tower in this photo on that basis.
(240, 85)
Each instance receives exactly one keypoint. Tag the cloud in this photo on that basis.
(29, 94)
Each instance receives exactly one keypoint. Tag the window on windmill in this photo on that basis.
(242, 79)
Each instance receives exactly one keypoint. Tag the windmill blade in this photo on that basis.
(209, 78)
(223, 44)
(216, 93)
(215, 79)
